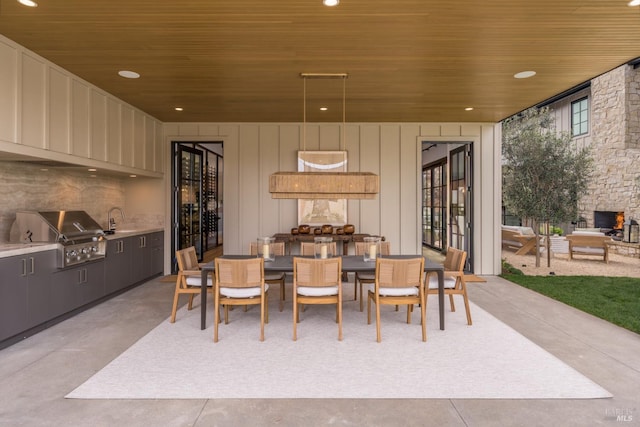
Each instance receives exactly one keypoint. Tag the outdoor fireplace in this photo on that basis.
(609, 222)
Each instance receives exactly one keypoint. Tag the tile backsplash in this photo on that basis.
(26, 186)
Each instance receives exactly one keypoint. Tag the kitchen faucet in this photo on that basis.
(111, 220)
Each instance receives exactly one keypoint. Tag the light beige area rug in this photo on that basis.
(488, 360)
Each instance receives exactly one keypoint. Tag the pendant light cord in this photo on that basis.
(304, 121)
(344, 112)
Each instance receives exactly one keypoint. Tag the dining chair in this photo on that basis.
(277, 249)
(309, 248)
(317, 281)
(189, 279)
(361, 247)
(240, 282)
(398, 282)
(454, 283)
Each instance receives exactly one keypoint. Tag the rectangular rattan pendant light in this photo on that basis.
(323, 185)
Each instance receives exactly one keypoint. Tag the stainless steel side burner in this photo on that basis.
(80, 238)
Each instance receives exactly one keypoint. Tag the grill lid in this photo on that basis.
(54, 227)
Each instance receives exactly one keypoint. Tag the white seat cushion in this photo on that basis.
(449, 282)
(242, 292)
(317, 291)
(196, 281)
(589, 250)
(399, 292)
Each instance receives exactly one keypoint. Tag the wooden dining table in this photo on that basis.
(350, 264)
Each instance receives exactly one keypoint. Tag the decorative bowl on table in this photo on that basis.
(327, 229)
(304, 229)
(349, 229)
(294, 231)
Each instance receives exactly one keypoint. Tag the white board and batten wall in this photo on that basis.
(253, 151)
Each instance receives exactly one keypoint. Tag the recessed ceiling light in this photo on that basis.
(133, 176)
(634, 3)
(468, 109)
(92, 170)
(323, 108)
(129, 74)
(524, 74)
(179, 108)
(330, 2)
(28, 3)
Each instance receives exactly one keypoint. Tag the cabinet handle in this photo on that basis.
(24, 267)
(33, 265)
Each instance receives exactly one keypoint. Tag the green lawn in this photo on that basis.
(614, 299)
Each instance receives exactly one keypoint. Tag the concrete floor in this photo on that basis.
(38, 372)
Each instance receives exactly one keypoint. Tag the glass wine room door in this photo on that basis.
(188, 193)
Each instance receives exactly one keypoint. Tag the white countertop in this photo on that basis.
(119, 234)
(13, 249)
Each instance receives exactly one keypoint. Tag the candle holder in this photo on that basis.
(371, 248)
(265, 249)
(322, 247)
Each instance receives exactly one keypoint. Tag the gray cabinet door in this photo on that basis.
(74, 287)
(41, 267)
(157, 253)
(13, 296)
(91, 286)
(118, 264)
(141, 258)
(64, 295)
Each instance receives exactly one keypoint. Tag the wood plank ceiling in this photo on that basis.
(407, 60)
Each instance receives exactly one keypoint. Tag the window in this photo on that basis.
(580, 117)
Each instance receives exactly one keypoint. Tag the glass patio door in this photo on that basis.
(434, 186)
(460, 200)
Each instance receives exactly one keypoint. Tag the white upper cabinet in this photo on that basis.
(46, 110)
(59, 111)
(8, 89)
(80, 119)
(34, 73)
(98, 148)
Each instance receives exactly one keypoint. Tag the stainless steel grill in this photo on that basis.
(80, 238)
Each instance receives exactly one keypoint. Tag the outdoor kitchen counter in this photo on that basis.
(119, 234)
(13, 249)
(17, 249)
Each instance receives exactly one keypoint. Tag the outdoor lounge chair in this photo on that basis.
(520, 239)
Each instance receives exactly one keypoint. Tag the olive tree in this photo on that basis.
(544, 174)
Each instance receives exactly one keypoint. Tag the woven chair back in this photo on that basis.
(187, 259)
(399, 273)
(317, 272)
(455, 259)
(240, 273)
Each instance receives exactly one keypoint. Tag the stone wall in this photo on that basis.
(615, 143)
